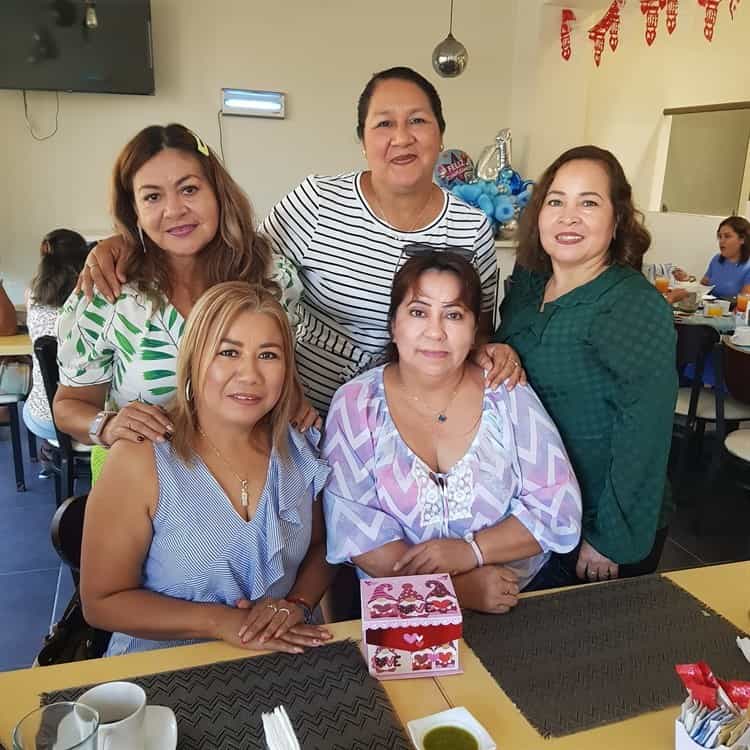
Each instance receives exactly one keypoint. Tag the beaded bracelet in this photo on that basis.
(304, 606)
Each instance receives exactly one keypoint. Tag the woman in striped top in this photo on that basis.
(346, 234)
(222, 534)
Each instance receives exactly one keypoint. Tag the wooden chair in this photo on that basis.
(71, 460)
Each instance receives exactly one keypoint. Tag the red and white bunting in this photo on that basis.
(650, 9)
(672, 10)
(567, 21)
(614, 27)
(709, 21)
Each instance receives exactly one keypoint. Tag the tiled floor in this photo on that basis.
(35, 587)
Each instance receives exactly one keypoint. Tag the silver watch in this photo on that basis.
(96, 428)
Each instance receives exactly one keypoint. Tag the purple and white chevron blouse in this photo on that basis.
(379, 491)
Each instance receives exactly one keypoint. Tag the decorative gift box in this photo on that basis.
(682, 741)
(411, 626)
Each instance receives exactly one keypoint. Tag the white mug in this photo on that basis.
(122, 711)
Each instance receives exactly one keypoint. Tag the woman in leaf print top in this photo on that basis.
(173, 197)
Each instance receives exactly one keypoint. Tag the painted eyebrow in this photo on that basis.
(452, 303)
(179, 182)
(382, 112)
(587, 192)
(264, 345)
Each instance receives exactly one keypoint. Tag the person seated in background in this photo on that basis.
(194, 225)
(63, 253)
(598, 344)
(433, 472)
(668, 271)
(8, 324)
(216, 534)
(729, 269)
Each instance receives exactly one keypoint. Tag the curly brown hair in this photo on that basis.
(236, 253)
(631, 240)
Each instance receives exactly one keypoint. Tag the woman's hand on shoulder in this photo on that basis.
(454, 556)
(306, 416)
(501, 364)
(491, 588)
(105, 268)
(137, 422)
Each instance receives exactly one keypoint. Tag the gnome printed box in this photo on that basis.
(411, 626)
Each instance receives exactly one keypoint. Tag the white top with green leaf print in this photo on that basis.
(132, 343)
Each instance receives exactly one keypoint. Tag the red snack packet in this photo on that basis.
(701, 683)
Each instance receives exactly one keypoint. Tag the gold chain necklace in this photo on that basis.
(243, 482)
(418, 218)
(439, 414)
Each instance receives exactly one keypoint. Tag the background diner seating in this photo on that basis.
(71, 459)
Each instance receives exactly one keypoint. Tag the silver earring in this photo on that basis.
(140, 234)
(188, 394)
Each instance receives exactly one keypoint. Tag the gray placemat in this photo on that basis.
(332, 701)
(598, 654)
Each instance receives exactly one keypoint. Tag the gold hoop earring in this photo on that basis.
(188, 391)
(140, 234)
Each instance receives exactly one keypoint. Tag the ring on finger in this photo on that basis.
(284, 609)
(273, 607)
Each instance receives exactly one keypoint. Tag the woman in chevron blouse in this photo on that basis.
(194, 225)
(222, 533)
(431, 471)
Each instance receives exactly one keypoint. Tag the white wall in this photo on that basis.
(619, 105)
(322, 59)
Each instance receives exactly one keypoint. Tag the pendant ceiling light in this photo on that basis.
(450, 57)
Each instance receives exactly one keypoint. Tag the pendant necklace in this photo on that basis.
(440, 414)
(243, 482)
(416, 221)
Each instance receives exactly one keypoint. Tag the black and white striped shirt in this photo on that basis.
(346, 257)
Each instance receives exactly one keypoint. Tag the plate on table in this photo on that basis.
(458, 718)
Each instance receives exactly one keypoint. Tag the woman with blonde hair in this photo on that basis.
(194, 227)
(221, 536)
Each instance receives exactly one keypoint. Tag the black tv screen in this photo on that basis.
(53, 45)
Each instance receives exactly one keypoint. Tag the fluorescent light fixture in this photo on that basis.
(253, 103)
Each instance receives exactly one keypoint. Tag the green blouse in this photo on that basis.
(602, 360)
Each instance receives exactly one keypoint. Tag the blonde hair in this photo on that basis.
(207, 324)
(237, 251)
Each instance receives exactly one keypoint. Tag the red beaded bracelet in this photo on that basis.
(306, 608)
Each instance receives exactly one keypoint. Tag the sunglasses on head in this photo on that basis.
(420, 249)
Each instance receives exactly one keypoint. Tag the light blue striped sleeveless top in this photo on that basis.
(203, 551)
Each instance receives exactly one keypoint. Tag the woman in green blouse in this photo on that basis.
(598, 344)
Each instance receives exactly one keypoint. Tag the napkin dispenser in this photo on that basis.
(411, 626)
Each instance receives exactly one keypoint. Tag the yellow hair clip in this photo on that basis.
(200, 145)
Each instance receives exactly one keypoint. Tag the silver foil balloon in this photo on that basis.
(449, 58)
(496, 157)
(508, 229)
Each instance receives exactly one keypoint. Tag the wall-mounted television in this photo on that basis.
(53, 45)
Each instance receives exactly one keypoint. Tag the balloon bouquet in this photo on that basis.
(494, 187)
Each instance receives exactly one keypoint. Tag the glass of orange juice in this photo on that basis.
(742, 300)
(662, 284)
(713, 310)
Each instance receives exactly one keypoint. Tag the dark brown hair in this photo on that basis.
(631, 239)
(63, 255)
(407, 281)
(403, 74)
(742, 227)
(236, 252)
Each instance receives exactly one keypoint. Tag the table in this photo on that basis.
(723, 324)
(19, 690)
(722, 587)
(15, 345)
